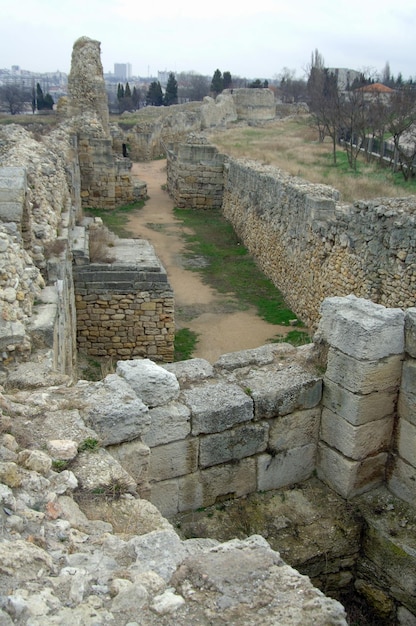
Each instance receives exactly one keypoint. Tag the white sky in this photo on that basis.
(249, 38)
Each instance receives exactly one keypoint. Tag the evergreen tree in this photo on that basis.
(227, 81)
(120, 91)
(39, 97)
(217, 83)
(135, 98)
(127, 91)
(48, 102)
(154, 96)
(171, 94)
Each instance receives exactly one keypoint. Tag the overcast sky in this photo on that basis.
(253, 39)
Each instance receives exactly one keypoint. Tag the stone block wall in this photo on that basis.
(105, 181)
(361, 384)
(195, 176)
(125, 309)
(402, 474)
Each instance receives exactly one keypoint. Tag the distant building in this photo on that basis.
(163, 77)
(122, 71)
(345, 77)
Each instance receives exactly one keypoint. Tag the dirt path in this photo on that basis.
(221, 328)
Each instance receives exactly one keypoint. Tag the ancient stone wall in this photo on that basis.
(253, 105)
(312, 247)
(125, 309)
(195, 176)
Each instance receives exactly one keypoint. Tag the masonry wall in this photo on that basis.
(195, 176)
(124, 310)
(313, 247)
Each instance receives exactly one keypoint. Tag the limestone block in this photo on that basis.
(160, 551)
(64, 449)
(355, 408)
(217, 406)
(152, 383)
(407, 395)
(191, 370)
(114, 411)
(406, 441)
(363, 376)
(99, 470)
(361, 328)
(285, 468)
(236, 443)
(174, 459)
(165, 496)
(348, 477)
(402, 480)
(264, 355)
(206, 487)
(11, 333)
(294, 430)
(133, 456)
(168, 423)
(282, 391)
(356, 442)
(410, 332)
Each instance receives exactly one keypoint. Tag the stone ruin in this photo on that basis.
(337, 417)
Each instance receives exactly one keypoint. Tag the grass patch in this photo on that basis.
(116, 219)
(295, 337)
(185, 342)
(292, 145)
(228, 266)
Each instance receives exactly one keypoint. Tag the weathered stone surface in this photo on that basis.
(133, 456)
(348, 477)
(282, 391)
(152, 383)
(35, 460)
(191, 370)
(99, 470)
(213, 484)
(406, 441)
(174, 459)
(160, 550)
(364, 377)
(356, 442)
(168, 423)
(410, 332)
(294, 430)
(356, 408)
(217, 406)
(65, 449)
(222, 573)
(230, 445)
(23, 559)
(264, 355)
(114, 410)
(362, 329)
(407, 396)
(285, 468)
(402, 481)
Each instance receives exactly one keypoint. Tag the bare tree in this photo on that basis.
(14, 97)
(354, 124)
(402, 125)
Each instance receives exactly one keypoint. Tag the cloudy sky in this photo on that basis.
(253, 39)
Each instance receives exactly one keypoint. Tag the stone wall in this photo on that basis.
(125, 309)
(195, 174)
(312, 247)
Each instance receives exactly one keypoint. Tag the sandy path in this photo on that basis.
(211, 315)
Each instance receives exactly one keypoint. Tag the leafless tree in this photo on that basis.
(14, 98)
(402, 126)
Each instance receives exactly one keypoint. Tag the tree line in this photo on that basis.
(362, 115)
(16, 98)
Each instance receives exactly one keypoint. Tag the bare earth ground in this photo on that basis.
(221, 328)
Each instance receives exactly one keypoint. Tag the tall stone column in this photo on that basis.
(361, 383)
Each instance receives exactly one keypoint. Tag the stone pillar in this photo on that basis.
(366, 343)
(402, 480)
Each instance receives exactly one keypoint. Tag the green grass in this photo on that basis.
(116, 219)
(295, 337)
(229, 267)
(185, 342)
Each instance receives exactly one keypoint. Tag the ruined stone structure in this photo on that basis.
(106, 181)
(125, 309)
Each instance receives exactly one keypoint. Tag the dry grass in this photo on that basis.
(292, 145)
(101, 240)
